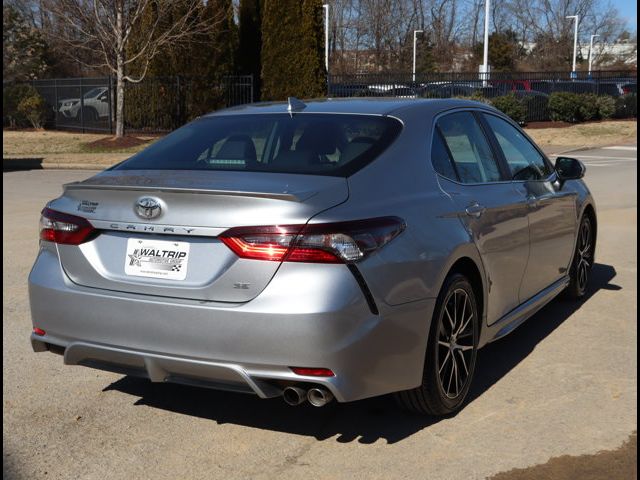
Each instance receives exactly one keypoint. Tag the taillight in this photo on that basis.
(343, 242)
(63, 228)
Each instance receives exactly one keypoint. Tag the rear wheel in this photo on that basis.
(580, 271)
(90, 115)
(451, 352)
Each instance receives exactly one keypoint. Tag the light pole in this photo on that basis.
(591, 52)
(485, 63)
(325, 7)
(575, 44)
(415, 39)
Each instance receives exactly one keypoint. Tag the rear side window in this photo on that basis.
(318, 144)
(440, 157)
(470, 150)
(524, 160)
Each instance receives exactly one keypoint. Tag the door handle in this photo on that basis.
(475, 210)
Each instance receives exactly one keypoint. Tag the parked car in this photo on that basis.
(629, 88)
(345, 89)
(544, 86)
(512, 85)
(575, 86)
(95, 101)
(330, 250)
(614, 89)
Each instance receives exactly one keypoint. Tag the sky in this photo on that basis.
(628, 10)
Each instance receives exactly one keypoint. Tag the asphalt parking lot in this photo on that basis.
(564, 383)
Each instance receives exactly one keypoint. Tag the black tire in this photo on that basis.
(582, 263)
(90, 115)
(436, 396)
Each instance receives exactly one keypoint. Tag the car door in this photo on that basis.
(493, 213)
(552, 209)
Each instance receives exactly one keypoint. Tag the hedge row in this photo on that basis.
(568, 107)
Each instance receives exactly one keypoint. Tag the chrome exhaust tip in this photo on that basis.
(319, 397)
(294, 396)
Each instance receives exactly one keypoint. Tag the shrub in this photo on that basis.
(33, 108)
(606, 106)
(12, 95)
(537, 107)
(511, 106)
(587, 106)
(476, 97)
(627, 106)
(564, 107)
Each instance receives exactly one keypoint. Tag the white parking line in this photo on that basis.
(600, 157)
(608, 164)
(630, 149)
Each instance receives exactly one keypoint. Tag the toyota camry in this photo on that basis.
(318, 251)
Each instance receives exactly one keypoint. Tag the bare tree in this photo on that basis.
(110, 32)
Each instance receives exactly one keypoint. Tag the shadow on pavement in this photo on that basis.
(18, 164)
(367, 420)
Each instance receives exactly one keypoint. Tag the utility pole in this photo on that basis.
(485, 63)
(575, 44)
(591, 52)
(415, 39)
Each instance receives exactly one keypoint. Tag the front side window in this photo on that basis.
(316, 144)
(524, 160)
(470, 150)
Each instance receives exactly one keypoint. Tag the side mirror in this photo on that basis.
(569, 169)
(103, 97)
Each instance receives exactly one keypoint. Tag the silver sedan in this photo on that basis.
(314, 251)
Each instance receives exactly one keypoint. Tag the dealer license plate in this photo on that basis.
(157, 259)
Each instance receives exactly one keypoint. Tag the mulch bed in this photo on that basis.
(115, 143)
(550, 124)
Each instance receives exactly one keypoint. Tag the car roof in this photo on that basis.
(362, 106)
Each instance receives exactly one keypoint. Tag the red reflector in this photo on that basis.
(39, 331)
(313, 372)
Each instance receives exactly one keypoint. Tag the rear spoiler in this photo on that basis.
(288, 196)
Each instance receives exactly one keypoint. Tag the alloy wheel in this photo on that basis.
(585, 255)
(456, 343)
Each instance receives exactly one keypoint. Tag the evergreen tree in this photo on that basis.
(292, 60)
(314, 73)
(250, 41)
(222, 45)
(504, 51)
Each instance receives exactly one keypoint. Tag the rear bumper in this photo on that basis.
(296, 321)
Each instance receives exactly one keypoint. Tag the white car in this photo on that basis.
(96, 105)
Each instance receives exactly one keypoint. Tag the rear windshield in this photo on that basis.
(318, 144)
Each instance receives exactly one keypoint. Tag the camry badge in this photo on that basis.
(147, 207)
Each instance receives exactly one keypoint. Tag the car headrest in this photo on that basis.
(322, 139)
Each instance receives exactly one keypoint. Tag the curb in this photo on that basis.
(575, 149)
(17, 164)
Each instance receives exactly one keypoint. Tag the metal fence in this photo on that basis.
(161, 104)
(157, 104)
(532, 88)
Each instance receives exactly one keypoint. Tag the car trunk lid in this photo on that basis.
(195, 207)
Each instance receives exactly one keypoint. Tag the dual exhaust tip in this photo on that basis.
(317, 396)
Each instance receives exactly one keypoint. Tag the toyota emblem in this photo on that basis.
(148, 208)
